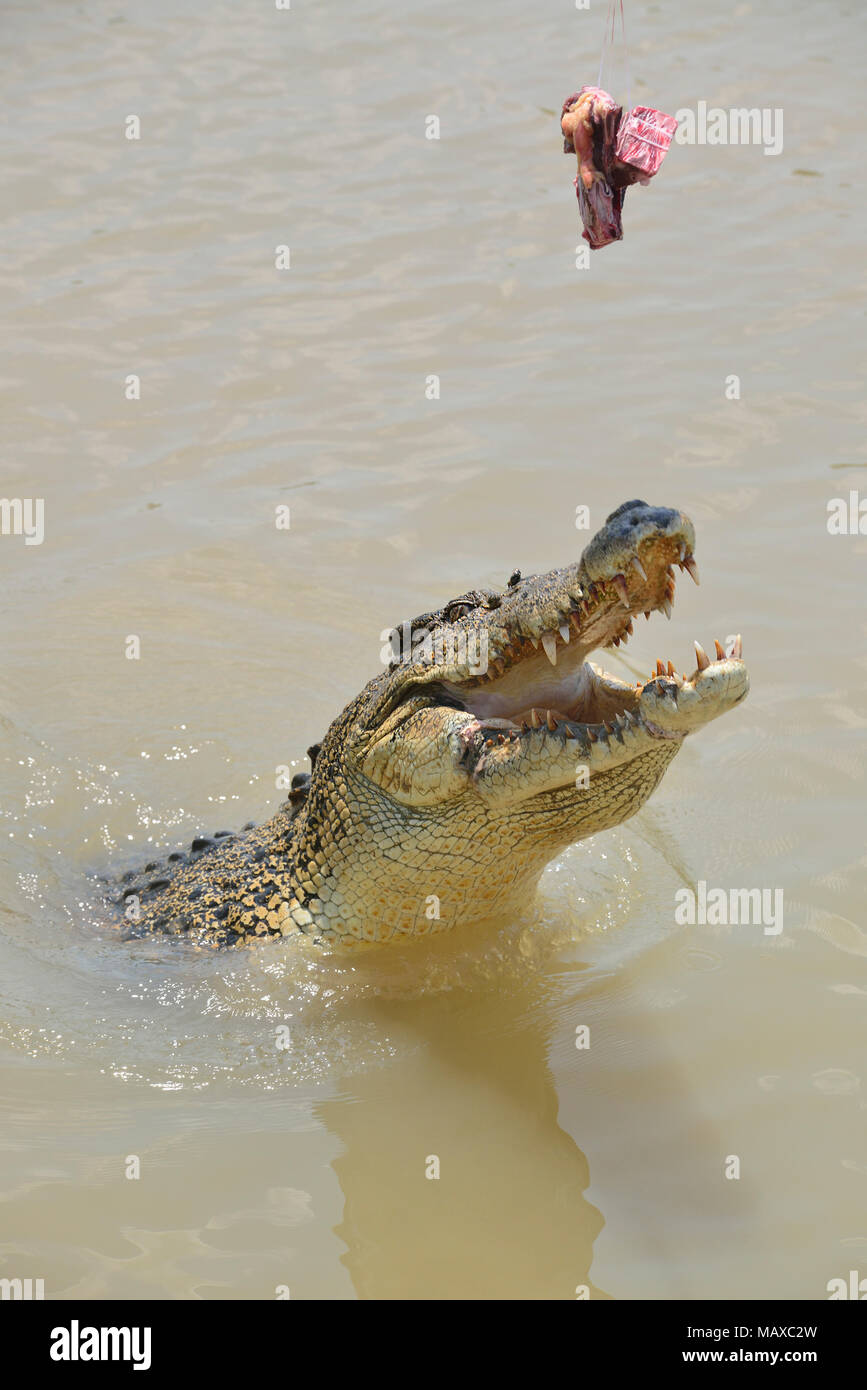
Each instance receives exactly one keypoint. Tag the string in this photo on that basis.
(628, 64)
(609, 25)
(608, 42)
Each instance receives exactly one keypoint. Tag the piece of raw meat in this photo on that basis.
(643, 140)
(613, 153)
(589, 122)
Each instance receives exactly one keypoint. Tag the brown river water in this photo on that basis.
(272, 1161)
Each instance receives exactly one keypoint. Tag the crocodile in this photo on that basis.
(487, 744)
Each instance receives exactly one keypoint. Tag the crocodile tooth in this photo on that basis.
(592, 734)
(564, 631)
(701, 656)
(535, 642)
(737, 648)
(639, 566)
(670, 571)
(550, 721)
(570, 733)
(620, 585)
(549, 642)
(525, 727)
(629, 628)
(666, 607)
(535, 721)
(660, 667)
(671, 670)
(720, 654)
(692, 568)
(647, 614)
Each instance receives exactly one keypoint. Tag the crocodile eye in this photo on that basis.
(459, 610)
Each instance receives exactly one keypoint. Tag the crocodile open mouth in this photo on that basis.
(583, 701)
(544, 682)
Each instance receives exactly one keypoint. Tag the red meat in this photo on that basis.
(612, 154)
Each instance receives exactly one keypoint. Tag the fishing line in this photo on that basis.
(608, 41)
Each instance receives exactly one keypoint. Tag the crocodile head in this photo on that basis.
(493, 741)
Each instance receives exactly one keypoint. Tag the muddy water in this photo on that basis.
(303, 1165)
